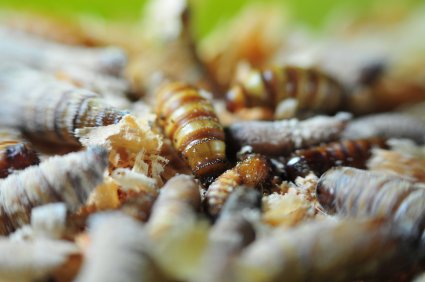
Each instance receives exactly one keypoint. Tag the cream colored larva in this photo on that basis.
(47, 108)
(68, 179)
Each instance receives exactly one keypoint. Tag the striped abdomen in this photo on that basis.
(253, 171)
(15, 155)
(68, 179)
(49, 109)
(319, 159)
(359, 193)
(188, 119)
(313, 90)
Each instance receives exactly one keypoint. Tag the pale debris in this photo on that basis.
(131, 144)
(297, 205)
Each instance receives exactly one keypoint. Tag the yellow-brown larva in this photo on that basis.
(49, 109)
(358, 193)
(253, 171)
(311, 89)
(188, 119)
(68, 179)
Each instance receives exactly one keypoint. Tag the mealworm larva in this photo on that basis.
(68, 179)
(254, 171)
(16, 155)
(188, 119)
(47, 108)
(387, 125)
(33, 260)
(327, 251)
(359, 193)
(177, 203)
(311, 89)
(119, 251)
(283, 137)
(30, 50)
(353, 153)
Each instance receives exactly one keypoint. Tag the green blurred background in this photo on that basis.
(208, 13)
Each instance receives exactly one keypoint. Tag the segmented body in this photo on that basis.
(253, 171)
(386, 125)
(353, 153)
(313, 90)
(49, 109)
(68, 179)
(359, 193)
(188, 119)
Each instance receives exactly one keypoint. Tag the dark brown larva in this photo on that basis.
(188, 119)
(15, 155)
(360, 193)
(319, 159)
(253, 171)
(313, 90)
(49, 109)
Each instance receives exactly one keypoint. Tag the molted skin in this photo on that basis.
(313, 90)
(353, 153)
(188, 119)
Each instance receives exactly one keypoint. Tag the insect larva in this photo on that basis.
(188, 119)
(49, 109)
(353, 153)
(282, 137)
(359, 193)
(33, 51)
(178, 201)
(33, 260)
(227, 238)
(16, 155)
(254, 171)
(387, 125)
(119, 251)
(68, 179)
(330, 250)
(313, 90)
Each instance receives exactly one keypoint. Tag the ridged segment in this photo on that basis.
(188, 119)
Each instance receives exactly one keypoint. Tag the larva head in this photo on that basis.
(325, 191)
(15, 157)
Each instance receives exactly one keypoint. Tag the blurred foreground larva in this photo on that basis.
(331, 251)
(254, 171)
(188, 119)
(119, 251)
(311, 89)
(49, 109)
(359, 193)
(68, 179)
(319, 159)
